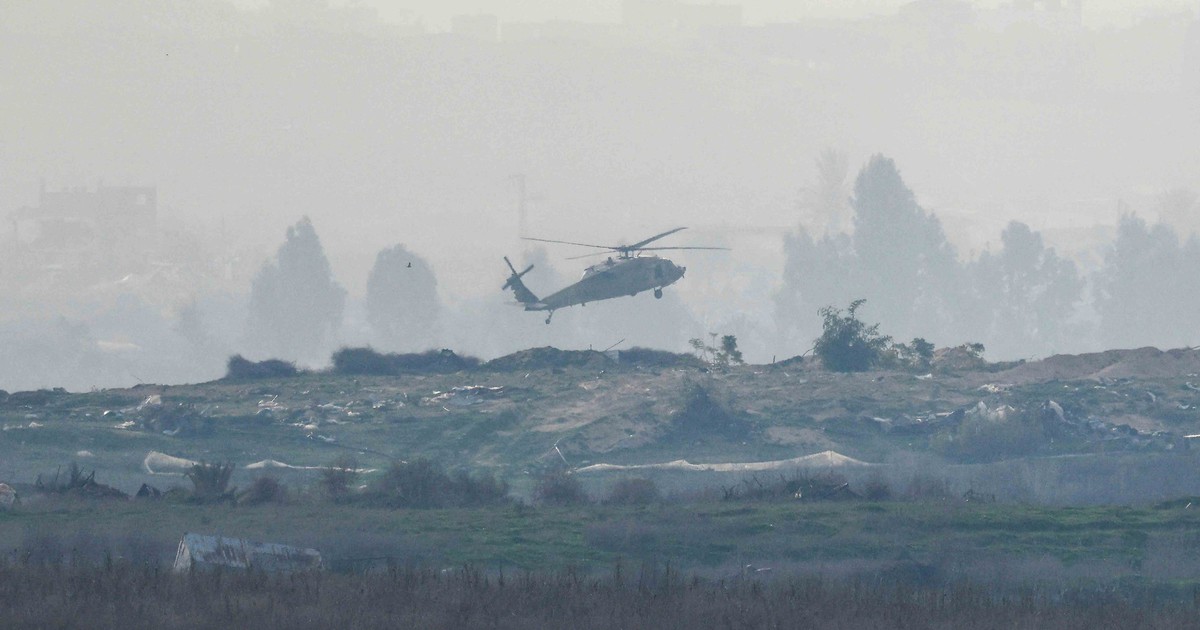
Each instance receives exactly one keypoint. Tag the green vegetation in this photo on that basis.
(846, 343)
(701, 535)
(722, 354)
(647, 596)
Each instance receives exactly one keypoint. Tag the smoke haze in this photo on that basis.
(157, 158)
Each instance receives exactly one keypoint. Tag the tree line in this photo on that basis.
(1022, 300)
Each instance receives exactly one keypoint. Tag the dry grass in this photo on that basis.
(112, 595)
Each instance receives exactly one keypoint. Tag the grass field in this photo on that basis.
(942, 541)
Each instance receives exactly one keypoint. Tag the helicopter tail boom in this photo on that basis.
(523, 294)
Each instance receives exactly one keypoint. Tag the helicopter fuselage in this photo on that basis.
(629, 273)
(615, 277)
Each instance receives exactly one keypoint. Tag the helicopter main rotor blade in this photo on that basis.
(588, 255)
(659, 249)
(639, 244)
(546, 240)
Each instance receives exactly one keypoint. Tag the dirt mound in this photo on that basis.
(1137, 363)
(958, 358)
(548, 358)
(650, 358)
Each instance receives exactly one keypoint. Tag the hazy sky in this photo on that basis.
(436, 14)
(246, 121)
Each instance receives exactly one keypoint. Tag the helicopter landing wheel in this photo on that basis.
(658, 294)
(548, 317)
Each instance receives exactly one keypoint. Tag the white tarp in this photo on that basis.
(824, 458)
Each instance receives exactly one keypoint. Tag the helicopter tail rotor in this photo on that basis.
(523, 294)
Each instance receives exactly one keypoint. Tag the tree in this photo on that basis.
(402, 300)
(295, 303)
(906, 267)
(826, 203)
(815, 272)
(847, 344)
(1145, 293)
(722, 355)
(1026, 293)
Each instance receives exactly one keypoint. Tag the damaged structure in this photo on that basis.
(197, 551)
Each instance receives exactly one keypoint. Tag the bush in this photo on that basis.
(801, 485)
(724, 354)
(210, 482)
(339, 476)
(240, 368)
(422, 484)
(366, 361)
(982, 439)
(925, 487)
(78, 484)
(265, 489)
(559, 487)
(703, 415)
(847, 344)
(917, 355)
(876, 488)
(648, 357)
(637, 491)
(361, 361)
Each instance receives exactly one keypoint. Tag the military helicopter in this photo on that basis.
(629, 273)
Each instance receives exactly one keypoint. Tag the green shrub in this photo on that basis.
(422, 484)
(917, 355)
(846, 343)
(559, 487)
(982, 439)
(240, 368)
(339, 476)
(704, 415)
(265, 489)
(648, 357)
(366, 361)
(636, 491)
(210, 482)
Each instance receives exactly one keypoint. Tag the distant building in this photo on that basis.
(78, 218)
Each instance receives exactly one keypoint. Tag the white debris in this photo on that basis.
(162, 464)
(824, 458)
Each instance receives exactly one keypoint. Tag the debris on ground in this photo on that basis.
(76, 483)
(8, 497)
(154, 416)
(197, 551)
(157, 463)
(148, 491)
(464, 396)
